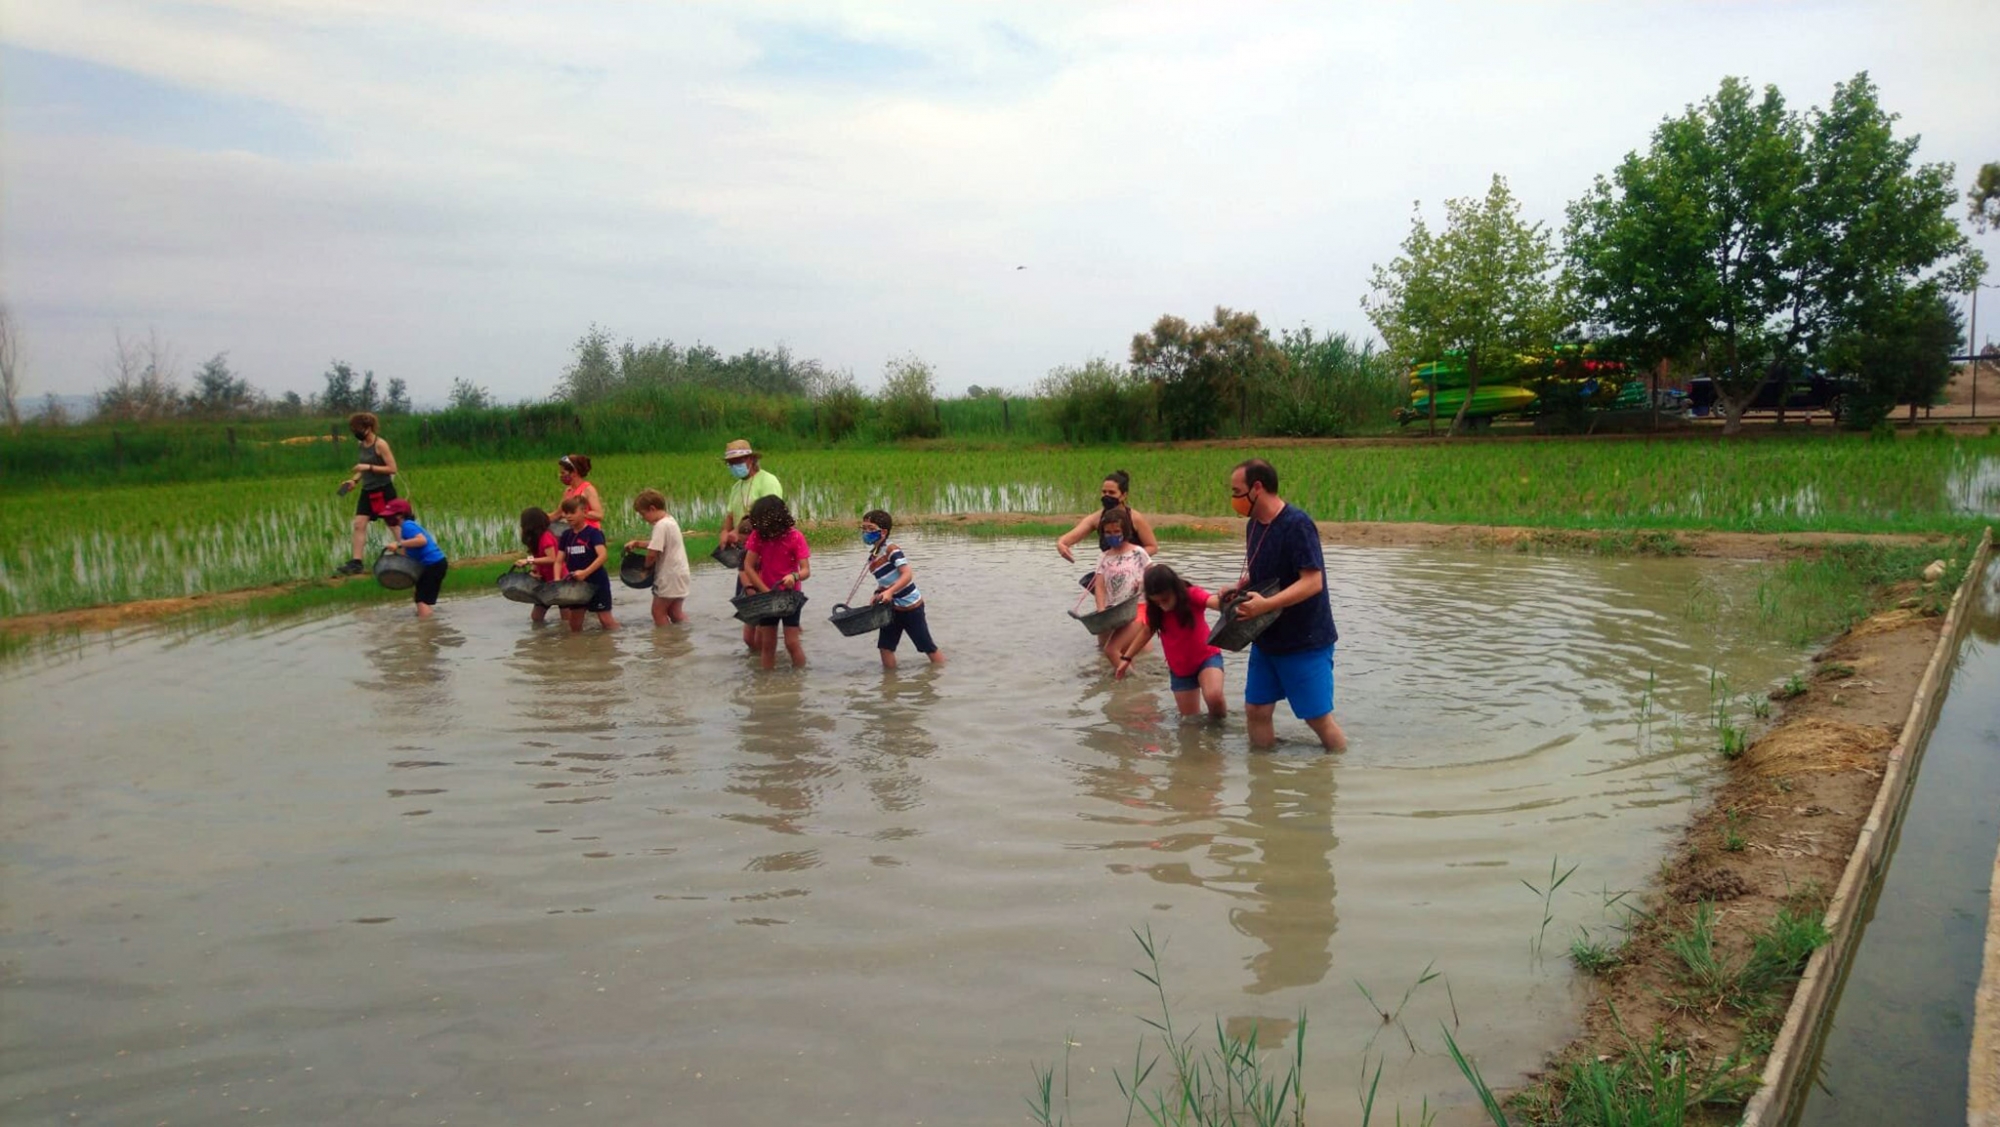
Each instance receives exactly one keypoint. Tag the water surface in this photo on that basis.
(361, 868)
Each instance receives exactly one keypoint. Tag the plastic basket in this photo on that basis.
(632, 569)
(566, 593)
(730, 557)
(1232, 633)
(397, 572)
(864, 619)
(1110, 618)
(520, 585)
(768, 604)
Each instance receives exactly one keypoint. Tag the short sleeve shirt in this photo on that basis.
(1123, 574)
(778, 557)
(671, 575)
(744, 494)
(580, 549)
(549, 546)
(1281, 550)
(430, 553)
(1186, 647)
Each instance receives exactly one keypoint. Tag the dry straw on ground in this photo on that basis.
(1813, 744)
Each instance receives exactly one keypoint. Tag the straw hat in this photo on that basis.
(738, 449)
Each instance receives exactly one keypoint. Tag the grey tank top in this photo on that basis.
(370, 480)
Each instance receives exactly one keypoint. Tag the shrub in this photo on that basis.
(1098, 402)
(908, 400)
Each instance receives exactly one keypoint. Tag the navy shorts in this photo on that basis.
(600, 592)
(909, 622)
(1192, 682)
(789, 622)
(431, 581)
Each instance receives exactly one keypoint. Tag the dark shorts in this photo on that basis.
(789, 622)
(1192, 682)
(370, 501)
(909, 622)
(431, 581)
(600, 592)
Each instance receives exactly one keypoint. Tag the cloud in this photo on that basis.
(441, 190)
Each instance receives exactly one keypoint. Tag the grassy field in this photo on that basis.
(69, 547)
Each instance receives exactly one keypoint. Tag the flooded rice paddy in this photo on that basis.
(360, 868)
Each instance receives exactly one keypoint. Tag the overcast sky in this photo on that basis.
(441, 190)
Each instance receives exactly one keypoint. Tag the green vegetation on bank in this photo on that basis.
(102, 545)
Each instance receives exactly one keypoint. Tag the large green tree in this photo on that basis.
(1748, 237)
(1484, 288)
(1898, 349)
(1203, 372)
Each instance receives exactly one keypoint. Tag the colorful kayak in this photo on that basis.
(1497, 400)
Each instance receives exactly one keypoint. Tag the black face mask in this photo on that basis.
(1108, 501)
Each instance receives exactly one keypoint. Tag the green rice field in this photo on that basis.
(71, 547)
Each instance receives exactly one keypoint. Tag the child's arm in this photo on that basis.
(904, 578)
(403, 546)
(597, 561)
(752, 580)
(1137, 645)
(799, 575)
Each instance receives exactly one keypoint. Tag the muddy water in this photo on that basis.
(361, 868)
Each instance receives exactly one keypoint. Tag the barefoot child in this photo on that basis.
(897, 586)
(583, 555)
(743, 538)
(408, 538)
(544, 553)
(776, 559)
(1176, 611)
(666, 557)
(1121, 571)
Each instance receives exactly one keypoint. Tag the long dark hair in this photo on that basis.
(770, 517)
(534, 526)
(1162, 580)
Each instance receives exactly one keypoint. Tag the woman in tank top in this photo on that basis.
(374, 476)
(574, 470)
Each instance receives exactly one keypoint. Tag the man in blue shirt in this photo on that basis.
(1292, 660)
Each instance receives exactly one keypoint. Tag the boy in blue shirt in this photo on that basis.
(408, 538)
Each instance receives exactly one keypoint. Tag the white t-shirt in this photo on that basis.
(671, 576)
(1123, 574)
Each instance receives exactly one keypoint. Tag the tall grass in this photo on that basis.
(76, 546)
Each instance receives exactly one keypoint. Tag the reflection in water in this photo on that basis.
(1288, 870)
(895, 736)
(411, 661)
(781, 761)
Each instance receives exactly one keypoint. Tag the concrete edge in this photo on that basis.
(1789, 1067)
(1982, 1105)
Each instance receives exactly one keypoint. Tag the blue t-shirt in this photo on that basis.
(579, 549)
(1280, 550)
(427, 555)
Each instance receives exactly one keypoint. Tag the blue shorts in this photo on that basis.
(1191, 683)
(1303, 679)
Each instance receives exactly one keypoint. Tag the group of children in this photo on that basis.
(1174, 609)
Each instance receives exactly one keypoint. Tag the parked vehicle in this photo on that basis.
(1814, 391)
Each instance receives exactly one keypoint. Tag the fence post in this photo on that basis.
(1006, 422)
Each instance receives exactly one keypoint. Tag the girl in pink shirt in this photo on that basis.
(1178, 612)
(776, 558)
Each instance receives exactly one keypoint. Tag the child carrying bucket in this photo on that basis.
(1121, 571)
(896, 585)
(584, 556)
(666, 557)
(544, 554)
(776, 558)
(408, 538)
(1176, 610)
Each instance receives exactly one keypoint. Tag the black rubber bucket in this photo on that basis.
(1232, 633)
(520, 585)
(566, 593)
(730, 557)
(1110, 618)
(864, 619)
(632, 569)
(397, 572)
(768, 604)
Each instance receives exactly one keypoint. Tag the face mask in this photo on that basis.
(1108, 501)
(738, 470)
(1111, 542)
(871, 538)
(1241, 505)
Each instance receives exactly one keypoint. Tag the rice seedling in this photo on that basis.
(1395, 1017)
(1592, 956)
(1734, 741)
(1547, 894)
(1733, 840)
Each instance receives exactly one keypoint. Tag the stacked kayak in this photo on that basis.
(1487, 401)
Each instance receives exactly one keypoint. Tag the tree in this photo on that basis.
(54, 413)
(1482, 289)
(469, 396)
(398, 400)
(347, 392)
(1983, 200)
(10, 367)
(144, 380)
(1747, 238)
(1899, 349)
(219, 392)
(909, 398)
(593, 374)
(1200, 372)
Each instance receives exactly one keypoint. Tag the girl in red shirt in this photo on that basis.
(544, 554)
(1178, 612)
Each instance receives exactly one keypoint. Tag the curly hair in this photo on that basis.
(770, 517)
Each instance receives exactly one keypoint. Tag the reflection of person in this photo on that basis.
(752, 482)
(1288, 820)
(1175, 609)
(1111, 494)
(584, 553)
(373, 475)
(1121, 571)
(1292, 660)
(666, 557)
(408, 538)
(896, 585)
(776, 558)
(544, 553)
(574, 472)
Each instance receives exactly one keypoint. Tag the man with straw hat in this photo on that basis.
(752, 482)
